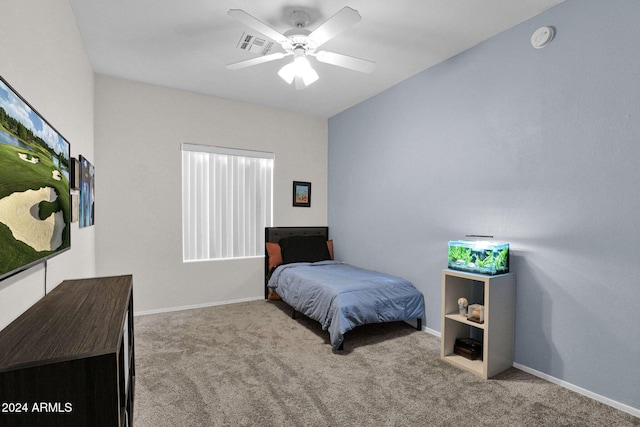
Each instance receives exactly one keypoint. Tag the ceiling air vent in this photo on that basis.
(254, 44)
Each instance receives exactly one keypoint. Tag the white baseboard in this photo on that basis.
(413, 323)
(432, 332)
(191, 307)
(621, 406)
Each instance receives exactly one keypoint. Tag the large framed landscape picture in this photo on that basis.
(35, 208)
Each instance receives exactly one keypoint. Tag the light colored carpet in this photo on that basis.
(250, 364)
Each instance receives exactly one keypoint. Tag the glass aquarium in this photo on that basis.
(479, 256)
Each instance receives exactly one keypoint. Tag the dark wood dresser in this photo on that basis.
(69, 359)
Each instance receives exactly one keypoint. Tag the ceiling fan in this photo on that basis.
(302, 43)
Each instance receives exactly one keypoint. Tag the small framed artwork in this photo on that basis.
(87, 193)
(302, 194)
(75, 174)
(74, 207)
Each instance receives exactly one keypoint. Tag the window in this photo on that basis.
(226, 202)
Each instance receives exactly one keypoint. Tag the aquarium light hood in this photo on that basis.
(486, 243)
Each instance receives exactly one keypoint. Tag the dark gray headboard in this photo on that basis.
(274, 234)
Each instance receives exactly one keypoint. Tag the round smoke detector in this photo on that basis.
(542, 37)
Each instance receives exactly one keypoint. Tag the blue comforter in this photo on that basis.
(341, 296)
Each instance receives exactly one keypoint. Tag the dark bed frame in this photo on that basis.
(274, 234)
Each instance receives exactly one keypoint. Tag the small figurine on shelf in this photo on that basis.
(462, 306)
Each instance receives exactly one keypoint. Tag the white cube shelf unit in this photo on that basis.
(497, 294)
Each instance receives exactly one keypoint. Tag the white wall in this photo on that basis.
(43, 58)
(537, 147)
(139, 129)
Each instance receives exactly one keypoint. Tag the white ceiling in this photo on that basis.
(186, 44)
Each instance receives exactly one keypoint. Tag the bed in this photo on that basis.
(300, 270)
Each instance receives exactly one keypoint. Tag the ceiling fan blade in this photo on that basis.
(254, 23)
(345, 61)
(256, 61)
(341, 21)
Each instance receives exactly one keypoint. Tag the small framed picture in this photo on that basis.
(302, 194)
(74, 180)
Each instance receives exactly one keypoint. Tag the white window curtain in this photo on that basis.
(226, 202)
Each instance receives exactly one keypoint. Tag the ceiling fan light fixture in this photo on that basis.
(310, 76)
(300, 68)
(288, 72)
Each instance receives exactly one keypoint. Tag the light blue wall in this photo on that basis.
(540, 148)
